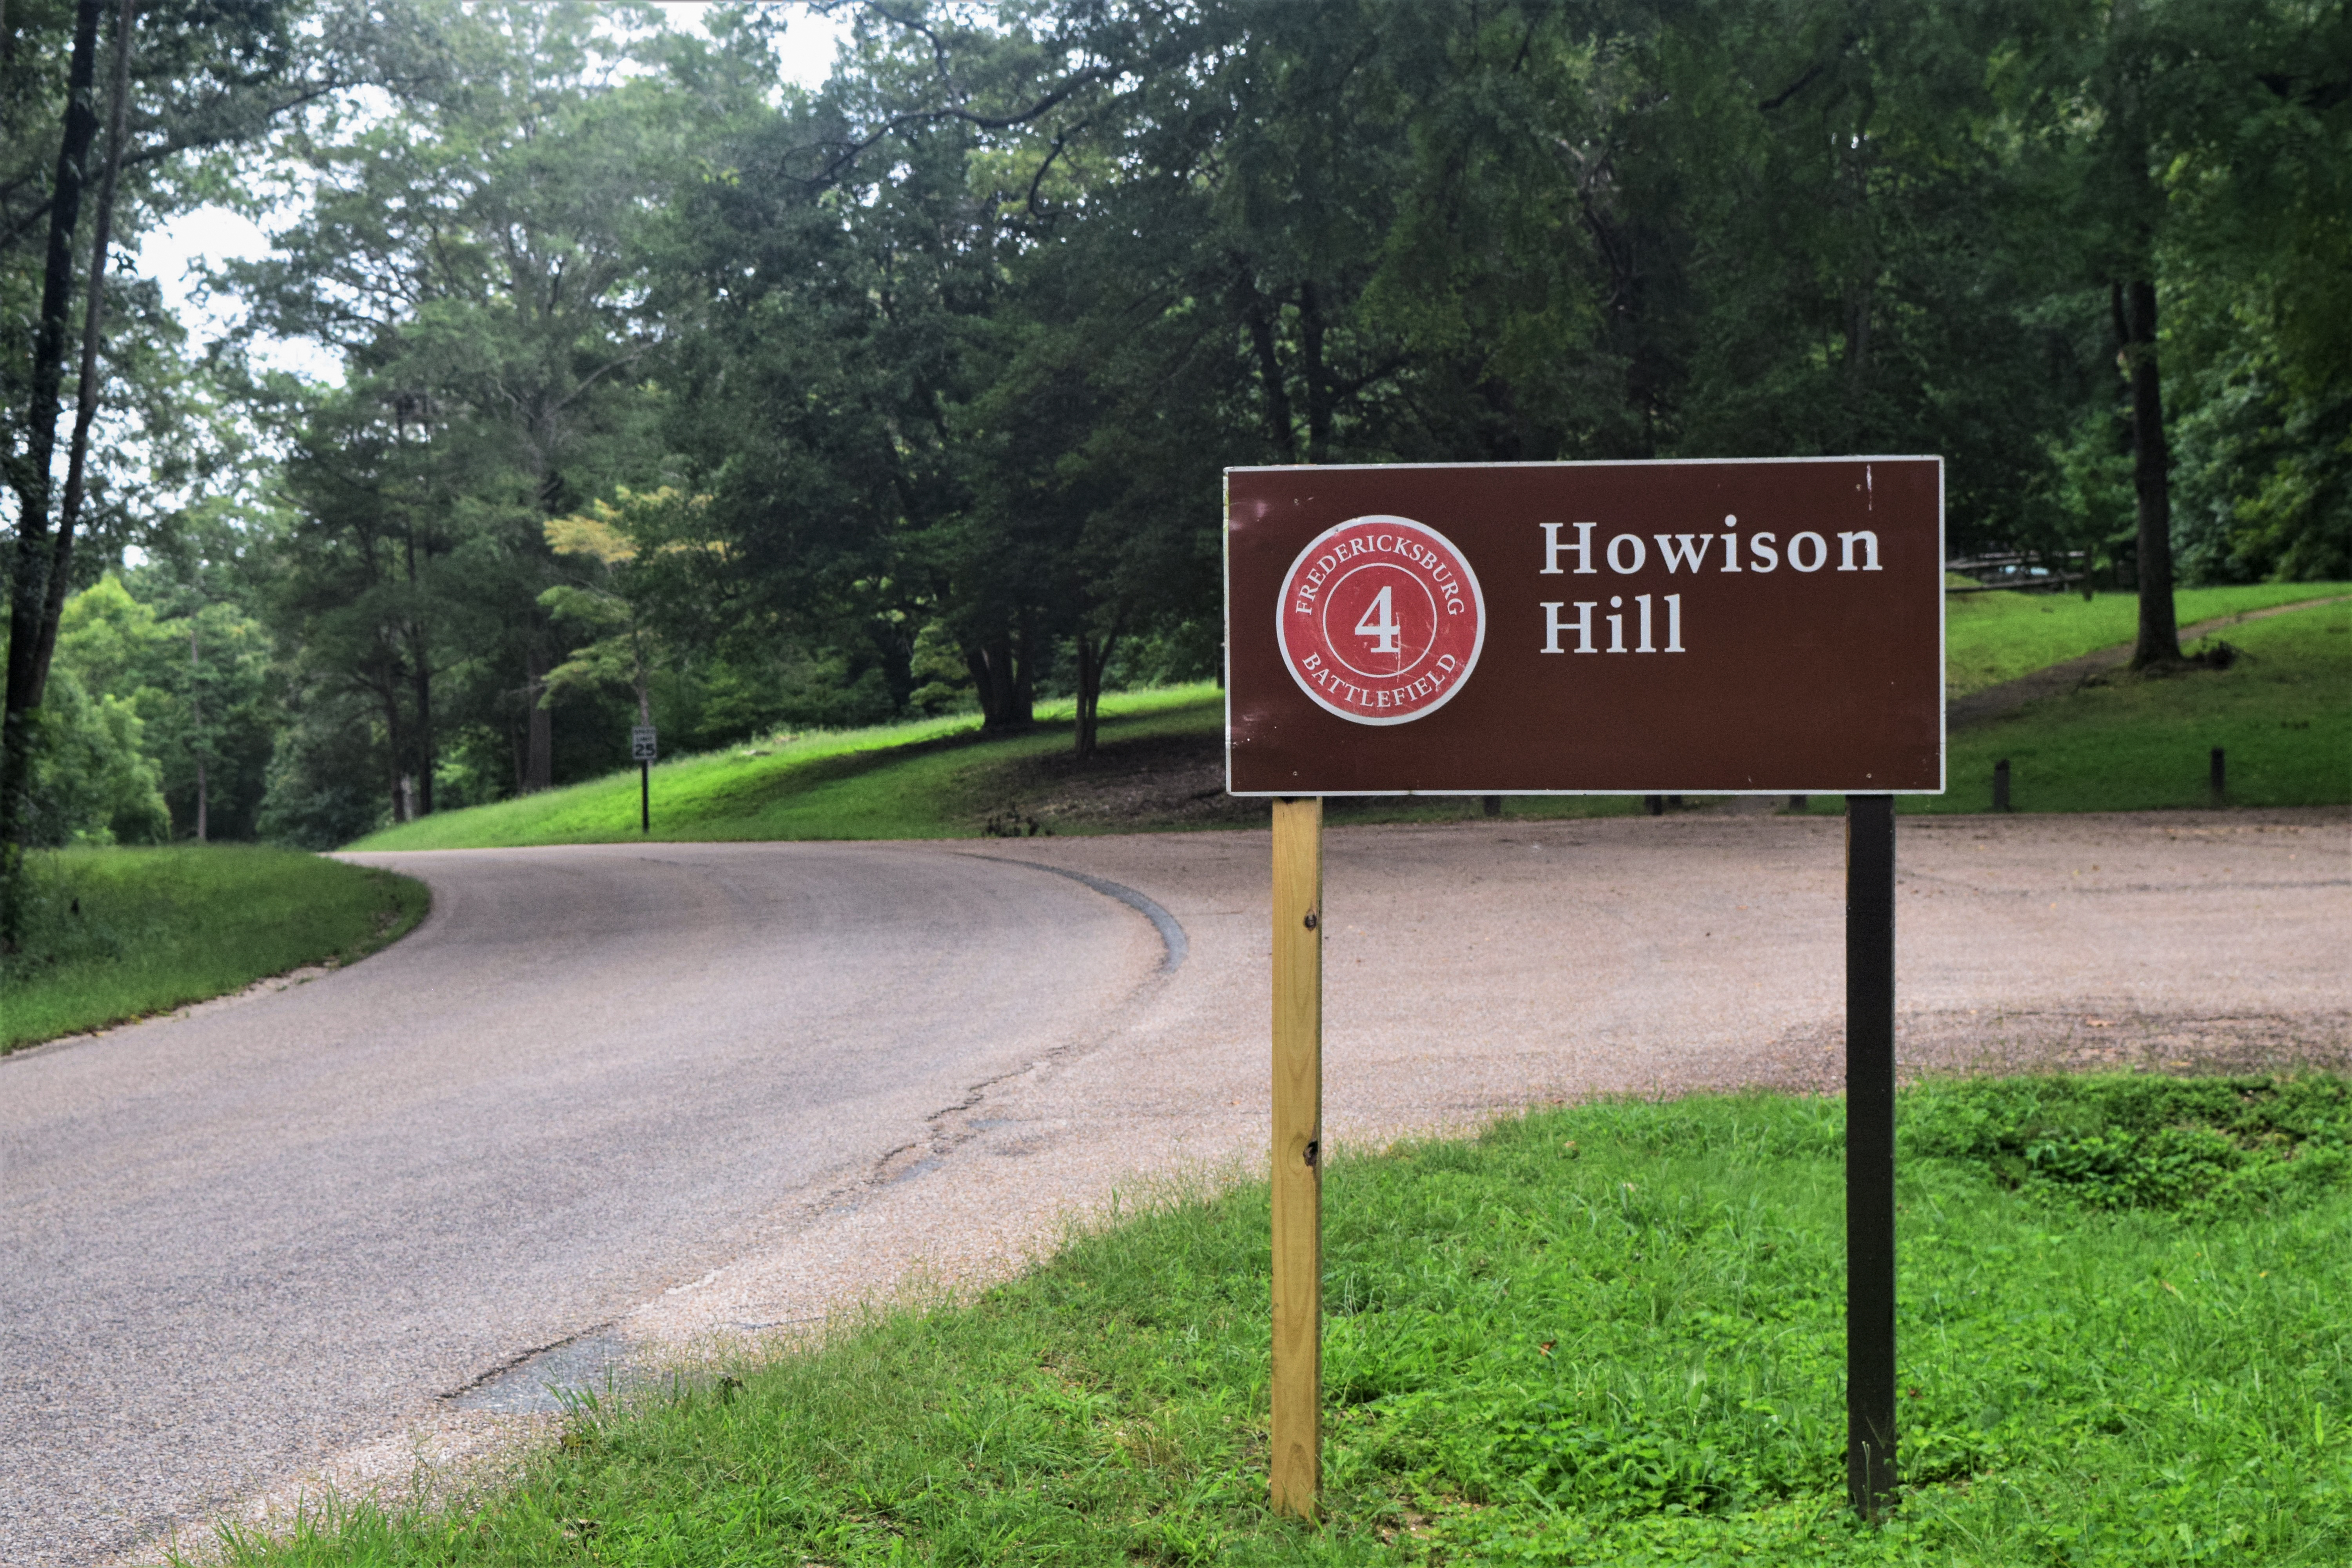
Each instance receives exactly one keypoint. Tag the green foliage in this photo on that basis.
(2260, 268)
(117, 934)
(485, 258)
(1612, 1333)
(201, 679)
(2198, 1146)
(944, 683)
(949, 351)
(321, 773)
(92, 780)
(2268, 492)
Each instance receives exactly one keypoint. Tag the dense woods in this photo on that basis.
(672, 389)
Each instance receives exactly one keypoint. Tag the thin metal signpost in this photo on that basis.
(1360, 603)
(642, 751)
(1870, 1380)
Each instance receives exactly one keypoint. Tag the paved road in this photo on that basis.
(238, 1241)
(688, 1088)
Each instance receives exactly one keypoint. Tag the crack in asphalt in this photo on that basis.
(540, 1379)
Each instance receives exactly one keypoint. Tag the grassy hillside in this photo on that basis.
(120, 933)
(1992, 638)
(928, 779)
(2281, 713)
(941, 779)
(1609, 1334)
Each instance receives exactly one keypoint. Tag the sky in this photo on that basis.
(173, 254)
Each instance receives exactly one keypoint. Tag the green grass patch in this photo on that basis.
(1608, 1334)
(942, 778)
(939, 778)
(935, 778)
(1992, 638)
(2281, 713)
(118, 933)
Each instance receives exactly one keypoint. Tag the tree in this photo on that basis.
(2196, 127)
(207, 75)
(2257, 263)
(851, 259)
(629, 561)
(482, 260)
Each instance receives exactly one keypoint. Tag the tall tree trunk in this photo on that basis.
(1094, 656)
(1278, 430)
(395, 752)
(420, 666)
(1090, 695)
(1089, 692)
(992, 680)
(32, 477)
(1025, 675)
(539, 769)
(421, 681)
(2159, 631)
(86, 387)
(1317, 375)
(196, 721)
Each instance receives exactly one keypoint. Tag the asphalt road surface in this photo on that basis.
(238, 1241)
(659, 1091)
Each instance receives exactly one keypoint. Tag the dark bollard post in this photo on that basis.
(2001, 784)
(1492, 803)
(2220, 776)
(1674, 802)
(1870, 1388)
(1796, 803)
(1655, 805)
(645, 797)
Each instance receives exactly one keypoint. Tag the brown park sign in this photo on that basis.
(1711, 627)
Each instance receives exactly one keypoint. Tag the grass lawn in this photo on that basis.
(928, 779)
(935, 778)
(2281, 713)
(2134, 745)
(1607, 1335)
(1992, 638)
(121, 933)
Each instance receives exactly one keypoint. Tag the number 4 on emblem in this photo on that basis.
(1380, 622)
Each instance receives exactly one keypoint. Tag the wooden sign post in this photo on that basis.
(1662, 629)
(1297, 1154)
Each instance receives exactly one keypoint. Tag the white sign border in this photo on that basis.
(1942, 612)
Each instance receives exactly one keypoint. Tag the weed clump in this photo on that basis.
(2192, 1146)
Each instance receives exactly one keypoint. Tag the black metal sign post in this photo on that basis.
(1870, 1390)
(642, 743)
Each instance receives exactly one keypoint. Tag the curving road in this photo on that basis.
(234, 1242)
(679, 1091)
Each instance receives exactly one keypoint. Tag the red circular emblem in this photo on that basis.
(1381, 620)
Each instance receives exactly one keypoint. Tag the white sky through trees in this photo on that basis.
(176, 254)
